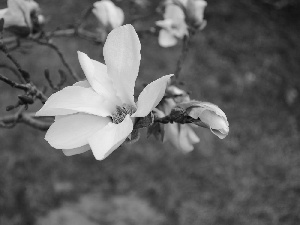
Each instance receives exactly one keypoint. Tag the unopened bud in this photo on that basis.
(208, 114)
(195, 12)
(26, 99)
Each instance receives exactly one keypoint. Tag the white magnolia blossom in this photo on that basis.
(108, 14)
(20, 13)
(181, 136)
(99, 113)
(212, 116)
(173, 27)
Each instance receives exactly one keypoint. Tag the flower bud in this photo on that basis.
(177, 94)
(173, 27)
(108, 14)
(209, 115)
(19, 16)
(195, 11)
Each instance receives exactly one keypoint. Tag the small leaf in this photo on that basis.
(157, 130)
(133, 137)
(10, 107)
(144, 121)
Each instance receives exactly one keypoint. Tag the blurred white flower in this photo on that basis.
(99, 113)
(210, 115)
(173, 26)
(181, 136)
(194, 11)
(108, 14)
(22, 14)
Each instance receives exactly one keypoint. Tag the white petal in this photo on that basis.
(75, 151)
(76, 99)
(118, 18)
(192, 135)
(183, 2)
(219, 133)
(181, 136)
(122, 57)
(174, 12)
(83, 83)
(73, 131)
(213, 120)
(166, 39)
(96, 74)
(2, 12)
(105, 141)
(172, 133)
(151, 96)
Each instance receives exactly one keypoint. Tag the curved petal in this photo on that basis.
(122, 57)
(2, 12)
(166, 39)
(171, 133)
(83, 83)
(73, 131)
(187, 138)
(105, 141)
(75, 151)
(192, 135)
(219, 133)
(174, 12)
(118, 18)
(151, 96)
(96, 74)
(76, 99)
(181, 136)
(213, 120)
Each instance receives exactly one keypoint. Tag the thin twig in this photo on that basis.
(13, 70)
(61, 56)
(184, 51)
(25, 75)
(11, 120)
(83, 17)
(26, 118)
(13, 84)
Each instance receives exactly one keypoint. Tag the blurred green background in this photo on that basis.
(246, 61)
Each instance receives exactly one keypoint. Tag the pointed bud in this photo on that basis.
(26, 99)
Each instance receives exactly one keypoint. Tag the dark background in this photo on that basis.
(246, 60)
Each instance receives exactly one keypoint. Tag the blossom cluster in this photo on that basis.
(100, 113)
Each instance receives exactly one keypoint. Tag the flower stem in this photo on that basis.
(184, 51)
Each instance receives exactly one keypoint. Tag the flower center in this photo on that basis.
(121, 112)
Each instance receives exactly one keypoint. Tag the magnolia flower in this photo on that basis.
(194, 11)
(210, 115)
(108, 14)
(173, 26)
(99, 113)
(181, 136)
(22, 14)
